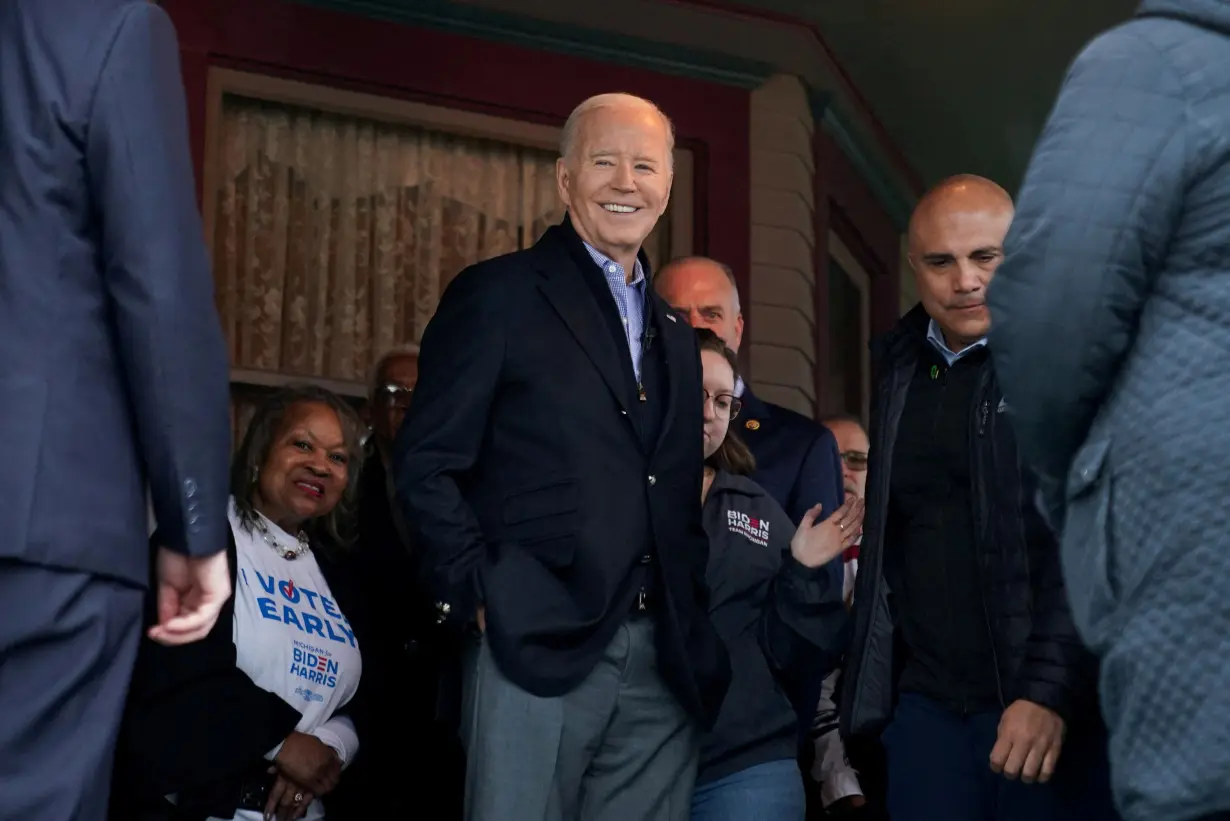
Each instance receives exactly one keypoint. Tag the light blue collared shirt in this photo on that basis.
(936, 337)
(629, 299)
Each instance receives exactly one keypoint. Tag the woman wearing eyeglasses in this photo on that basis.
(777, 607)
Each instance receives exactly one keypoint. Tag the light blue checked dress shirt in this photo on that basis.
(629, 299)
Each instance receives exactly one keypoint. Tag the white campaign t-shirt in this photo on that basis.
(292, 639)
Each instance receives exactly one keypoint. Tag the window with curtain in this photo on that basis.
(334, 234)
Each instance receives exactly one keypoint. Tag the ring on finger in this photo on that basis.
(298, 798)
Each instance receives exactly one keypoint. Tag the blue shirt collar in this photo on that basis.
(605, 262)
(936, 337)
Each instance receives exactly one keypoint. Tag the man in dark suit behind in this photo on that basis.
(551, 464)
(415, 689)
(113, 374)
(796, 457)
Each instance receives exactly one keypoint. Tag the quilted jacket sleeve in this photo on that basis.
(1102, 195)
(1056, 671)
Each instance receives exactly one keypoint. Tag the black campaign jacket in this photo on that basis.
(784, 625)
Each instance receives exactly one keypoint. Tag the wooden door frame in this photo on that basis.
(846, 206)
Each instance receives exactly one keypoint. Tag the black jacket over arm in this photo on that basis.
(525, 469)
(1039, 655)
(195, 724)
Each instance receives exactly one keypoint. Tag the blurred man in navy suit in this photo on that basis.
(113, 378)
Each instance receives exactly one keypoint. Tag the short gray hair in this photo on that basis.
(410, 351)
(568, 138)
(721, 266)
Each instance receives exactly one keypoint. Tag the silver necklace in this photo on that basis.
(288, 553)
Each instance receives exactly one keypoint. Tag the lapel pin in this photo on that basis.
(752, 424)
(935, 371)
(671, 317)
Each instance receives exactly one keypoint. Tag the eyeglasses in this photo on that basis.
(397, 396)
(725, 404)
(855, 460)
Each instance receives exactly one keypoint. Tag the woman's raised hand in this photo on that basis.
(818, 543)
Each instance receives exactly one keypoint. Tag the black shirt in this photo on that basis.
(931, 549)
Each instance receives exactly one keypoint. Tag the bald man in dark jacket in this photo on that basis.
(964, 651)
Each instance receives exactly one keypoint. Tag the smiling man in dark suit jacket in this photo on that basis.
(551, 465)
(796, 457)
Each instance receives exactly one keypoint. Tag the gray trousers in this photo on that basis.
(68, 642)
(619, 747)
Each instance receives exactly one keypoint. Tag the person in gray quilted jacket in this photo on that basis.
(1111, 334)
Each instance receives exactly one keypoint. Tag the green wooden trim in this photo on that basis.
(882, 182)
(576, 41)
(898, 206)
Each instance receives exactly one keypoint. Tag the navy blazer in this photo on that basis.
(796, 457)
(527, 466)
(113, 368)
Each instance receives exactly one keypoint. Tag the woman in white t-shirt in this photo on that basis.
(260, 718)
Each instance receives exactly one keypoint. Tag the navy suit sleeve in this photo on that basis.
(440, 439)
(156, 273)
(819, 478)
(820, 482)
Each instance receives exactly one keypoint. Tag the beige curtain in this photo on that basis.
(334, 235)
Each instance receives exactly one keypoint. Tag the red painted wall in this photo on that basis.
(444, 69)
(846, 205)
(864, 226)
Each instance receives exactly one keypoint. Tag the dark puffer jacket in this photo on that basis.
(1038, 653)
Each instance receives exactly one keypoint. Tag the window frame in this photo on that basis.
(840, 253)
